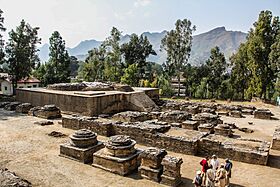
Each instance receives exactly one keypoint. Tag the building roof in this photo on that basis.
(29, 80)
(22, 81)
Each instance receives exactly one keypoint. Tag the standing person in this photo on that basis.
(205, 166)
(221, 176)
(228, 167)
(197, 181)
(210, 177)
(215, 162)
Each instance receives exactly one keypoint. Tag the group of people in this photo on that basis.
(213, 173)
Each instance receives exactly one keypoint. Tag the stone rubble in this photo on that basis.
(23, 108)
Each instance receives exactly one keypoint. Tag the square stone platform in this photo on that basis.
(83, 155)
(120, 166)
(150, 173)
(91, 103)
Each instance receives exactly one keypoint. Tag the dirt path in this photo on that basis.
(27, 150)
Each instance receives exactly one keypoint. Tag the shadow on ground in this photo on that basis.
(274, 159)
(4, 115)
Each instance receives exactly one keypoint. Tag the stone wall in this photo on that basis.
(243, 150)
(152, 133)
(87, 105)
(77, 122)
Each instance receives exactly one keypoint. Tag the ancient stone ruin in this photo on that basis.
(171, 171)
(151, 167)
(23, 108)
(188, 124)
(119, 156)
(262, 114)
(223, 129)
(11, 106)
(276, 139)
(46, 112)
(206, 127)
(10, 179)
(83, 143)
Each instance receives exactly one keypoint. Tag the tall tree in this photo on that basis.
(113, 63)
(240, 73)
(177, 43)
(2, 29)
(21, 51)
(260, 39)
(93, 67)
(59, 59)
(137, 50)
(217, 66)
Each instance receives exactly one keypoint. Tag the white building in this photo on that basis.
(6, 87)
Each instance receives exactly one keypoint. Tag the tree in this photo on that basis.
(260, 40)
(2, 29)
(274, 59)
(113, 63)
(59, 59)
(240, 73)
(93, 67)
(137, 51)
(130, 75)
(74, 66)
(217, 66)
(21, 51)
(177, 43)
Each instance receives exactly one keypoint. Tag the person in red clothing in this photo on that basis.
(205, 167)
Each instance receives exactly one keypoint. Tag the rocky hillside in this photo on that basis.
(228, 41)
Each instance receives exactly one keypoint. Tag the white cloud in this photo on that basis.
(139, 3)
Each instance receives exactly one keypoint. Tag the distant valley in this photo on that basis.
(228, 41)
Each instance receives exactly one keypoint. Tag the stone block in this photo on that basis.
(208, 128)
(247, 111)
(150, 173)
(23, 108)
(131, 116)
(12, 106)
(120, 166)
(203, 118)
(176, 116)
(83, 143)
(119, 156)
(152, 157)
(3, 104)
(262, 114)
(83, 155)
(170, 181)
(223, 129)
(190, 109)
(171, 171)
(276, 139)
(192, 125)
(236, 114)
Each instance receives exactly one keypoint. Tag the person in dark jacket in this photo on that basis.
(228, 167)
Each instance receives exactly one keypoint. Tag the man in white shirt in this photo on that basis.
(215, 162)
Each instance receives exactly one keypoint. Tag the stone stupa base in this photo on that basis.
(117, 165)
(83, 155)
(150, 173)
(170, 181)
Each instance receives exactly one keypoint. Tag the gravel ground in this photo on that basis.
(27, 150)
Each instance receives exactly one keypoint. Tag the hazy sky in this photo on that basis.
(78, 20)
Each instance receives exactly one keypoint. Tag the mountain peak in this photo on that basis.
(218, 29)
